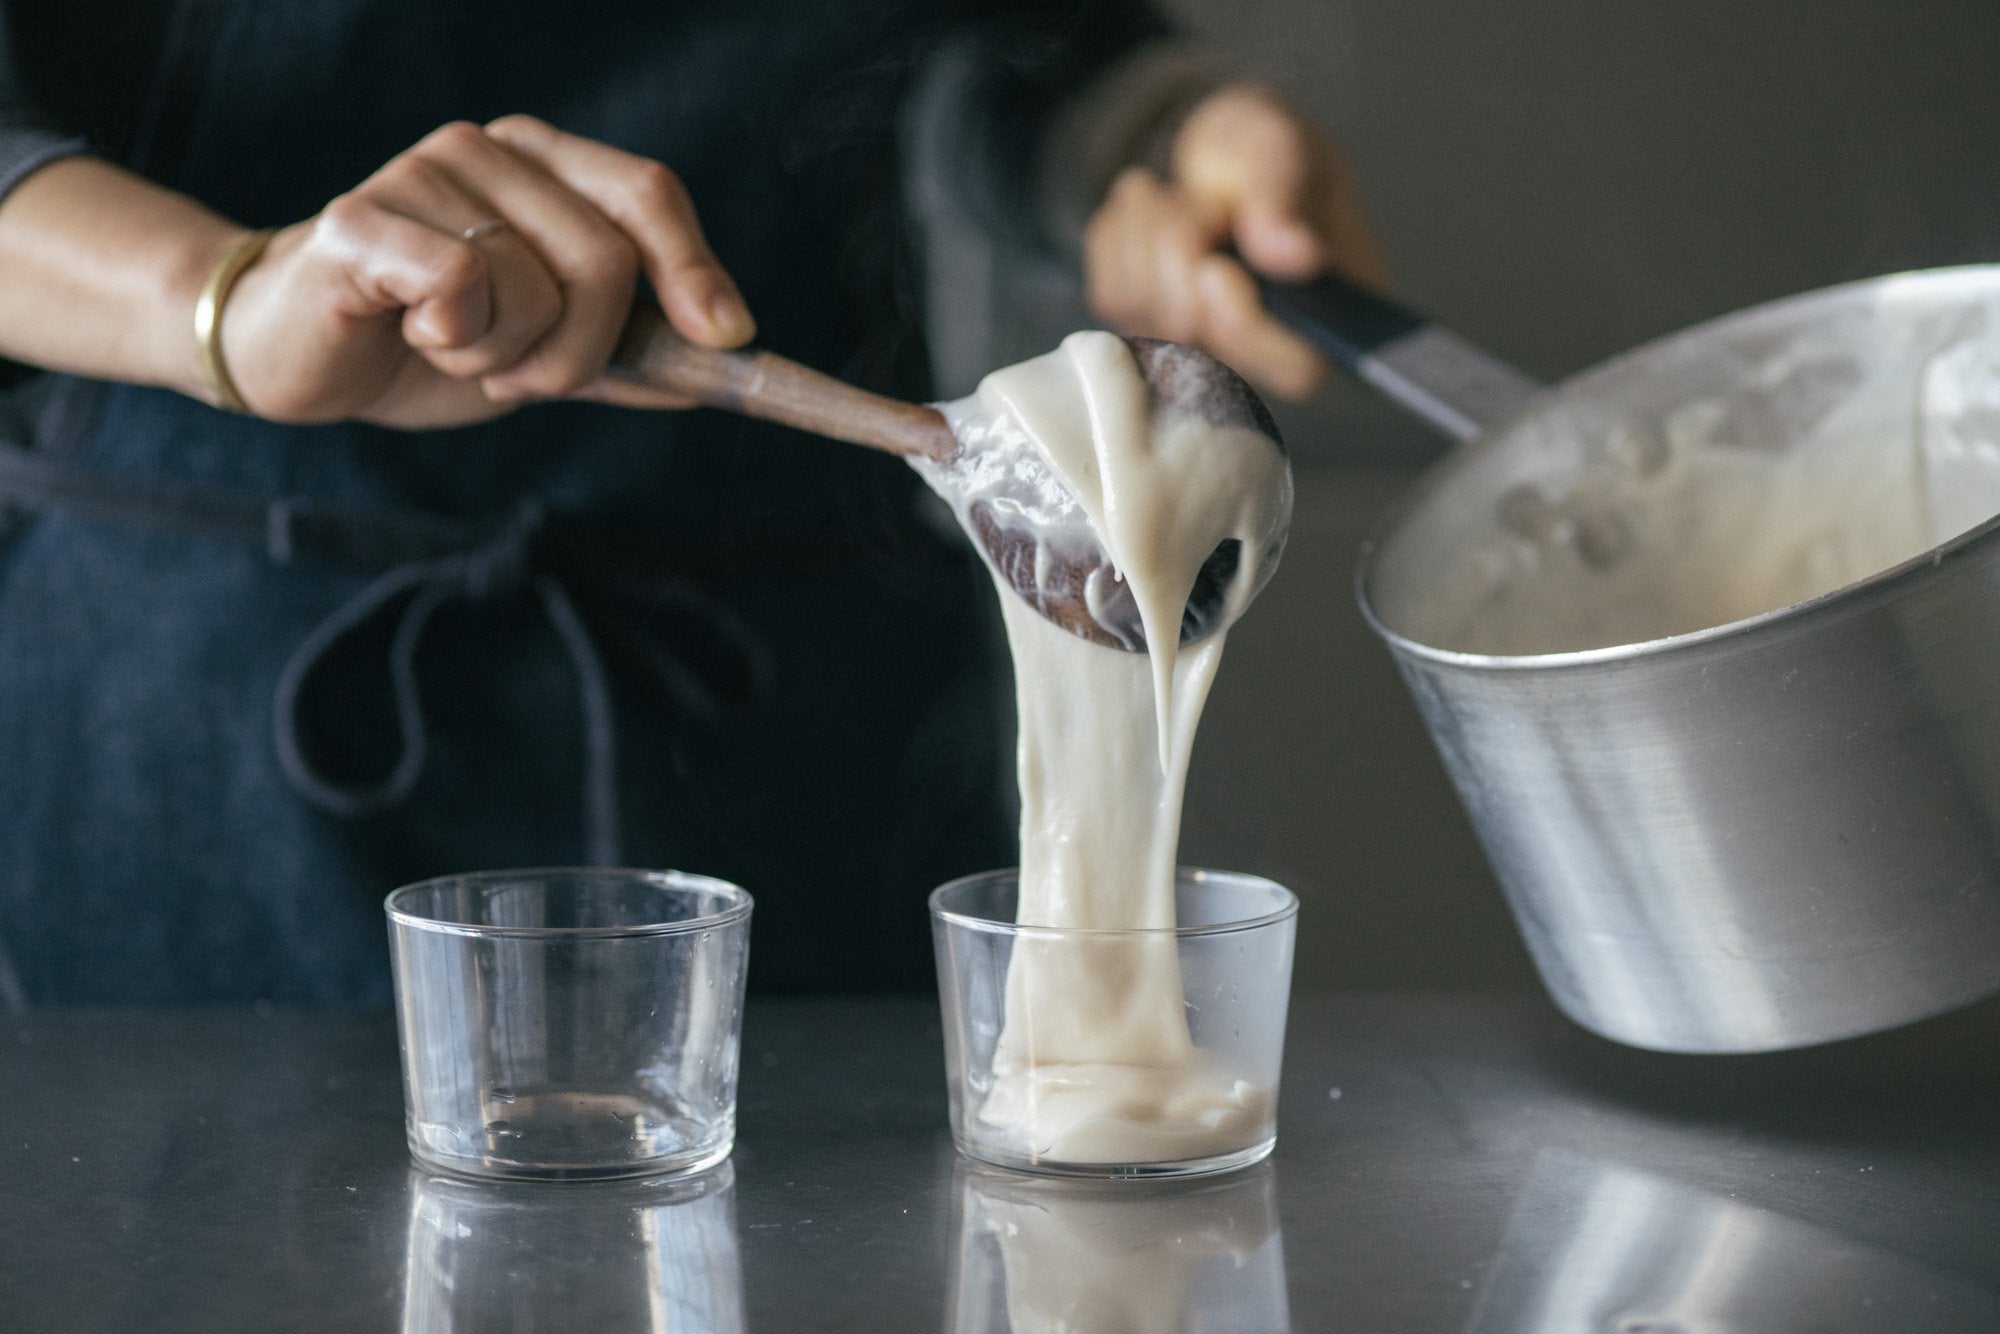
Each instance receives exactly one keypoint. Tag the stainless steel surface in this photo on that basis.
(1444, 1164)
(1775, 833)
(1451, 384)
(1459, 389)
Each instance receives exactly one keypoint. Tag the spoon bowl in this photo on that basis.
(1079, 590)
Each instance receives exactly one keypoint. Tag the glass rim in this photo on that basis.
(739, 904)
(1288, 907)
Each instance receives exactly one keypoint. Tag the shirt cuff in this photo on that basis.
(23, 152)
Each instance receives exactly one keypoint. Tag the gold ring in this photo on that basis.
(479, 229)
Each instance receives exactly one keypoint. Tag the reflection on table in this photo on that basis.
(1596, 1245)
(614, 1256)
(1444, 1164)
(1038, 1255)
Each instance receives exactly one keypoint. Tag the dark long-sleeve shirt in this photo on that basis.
(27, 140)
(793, 658)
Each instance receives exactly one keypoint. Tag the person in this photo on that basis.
(372, 573)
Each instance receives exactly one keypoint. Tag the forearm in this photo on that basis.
(99, 272)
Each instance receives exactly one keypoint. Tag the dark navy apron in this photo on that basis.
(252, 677)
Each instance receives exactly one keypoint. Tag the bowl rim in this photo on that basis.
(738, 900)
(1288, 907)
(1885, 581)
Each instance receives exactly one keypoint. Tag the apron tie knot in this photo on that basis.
(501, 566)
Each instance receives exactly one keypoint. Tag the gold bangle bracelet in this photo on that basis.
(208, 316)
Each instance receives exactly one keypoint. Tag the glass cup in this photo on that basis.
(1142, 1053)
(569, 1024)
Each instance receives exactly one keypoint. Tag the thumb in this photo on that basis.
(1273, 236)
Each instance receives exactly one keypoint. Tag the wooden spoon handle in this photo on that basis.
(763, 384)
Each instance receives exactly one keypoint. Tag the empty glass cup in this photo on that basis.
(1116, 1053)
(569, 1023)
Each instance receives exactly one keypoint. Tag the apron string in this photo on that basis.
(499, 566)
(432, 560)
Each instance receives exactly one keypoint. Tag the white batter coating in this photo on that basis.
(1095, 1063)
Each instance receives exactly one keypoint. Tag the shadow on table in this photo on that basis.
(1938, 1075)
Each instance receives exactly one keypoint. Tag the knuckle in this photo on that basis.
(518, 123)
(416, 172)
(341, 217)
(458, 266)
(454, 137)
(654, 185)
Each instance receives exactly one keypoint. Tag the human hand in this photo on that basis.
(1250, 176)
(403, 304)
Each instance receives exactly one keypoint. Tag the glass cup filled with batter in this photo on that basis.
(1105, 1052)
(1106, 1013)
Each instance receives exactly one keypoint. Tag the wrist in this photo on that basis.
(221, 385)
(102, 269)
(185, 267)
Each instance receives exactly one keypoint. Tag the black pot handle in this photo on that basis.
(1431, 371)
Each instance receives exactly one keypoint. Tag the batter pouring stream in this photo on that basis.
(1095, 1063)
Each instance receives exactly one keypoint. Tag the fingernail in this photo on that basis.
(424, 332)
(730, 318)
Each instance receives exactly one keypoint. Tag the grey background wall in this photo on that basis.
(1559, 180)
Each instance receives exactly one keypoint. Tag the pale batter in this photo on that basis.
(1095, 1063)
(1818, 462)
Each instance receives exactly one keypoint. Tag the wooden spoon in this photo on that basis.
(762, 384)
